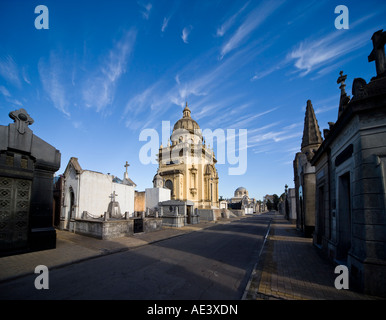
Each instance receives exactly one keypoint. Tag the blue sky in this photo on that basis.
(106, 70)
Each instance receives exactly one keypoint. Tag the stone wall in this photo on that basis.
(104, 230)
(152, 224)
(156, 195)
(27, 167)
(140, 201)
(107, 230)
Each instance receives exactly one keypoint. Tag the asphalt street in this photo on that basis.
(214, 264)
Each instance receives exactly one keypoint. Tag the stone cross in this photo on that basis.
(112, 196)
(378, 53)
(344, 98)
(341, 80)
(22, 119)
(126, 165)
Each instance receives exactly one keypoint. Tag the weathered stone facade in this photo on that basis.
(350, 198)
(175, 213)
(89, 191)
(27, 167)
(304, 173)
(187, 165)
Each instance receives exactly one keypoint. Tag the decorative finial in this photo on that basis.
(22, 119)
(126, 165)
(344, 98)
(112, 196)
(341, 80)
(378, 52)
(186, 112)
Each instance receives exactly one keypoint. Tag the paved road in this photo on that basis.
(214, 263)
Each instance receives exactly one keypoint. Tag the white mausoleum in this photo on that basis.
(91, 192)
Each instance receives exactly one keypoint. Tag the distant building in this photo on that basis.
(242, 201)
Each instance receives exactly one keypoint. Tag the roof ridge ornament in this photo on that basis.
(186, 112)
(378, 52)
(344, 98)
(22, 119)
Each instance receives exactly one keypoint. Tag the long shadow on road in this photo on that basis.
(214, 263)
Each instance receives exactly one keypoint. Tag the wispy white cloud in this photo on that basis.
(322, 54)
(275, 136)
(8, 97)
(230, 22)
(303, 11)
(145, 109)
(264, 139)
(310, 55)
(167, 18)
(99, 89)
(196, 82)
(245, 121)
(9, 70)
(25, 76)
(51, 73)
(202, 81)
(165, 23)
(146, 9)
(185, 33)
(77, 124)
(4, 91)
(261, 74)
(326, 108)
(252, 22)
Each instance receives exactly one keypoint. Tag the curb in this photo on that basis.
(254, 270)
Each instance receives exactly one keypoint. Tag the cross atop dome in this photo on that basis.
(186, 111)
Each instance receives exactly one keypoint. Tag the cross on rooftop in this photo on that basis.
(378, 52)
(126, 166)
(22, 119)
(341, 80)
(112, 196)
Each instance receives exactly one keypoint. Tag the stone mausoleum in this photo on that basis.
(304, 173)
(101, 205)
(351, 179)
(187, 165)
(27, 167)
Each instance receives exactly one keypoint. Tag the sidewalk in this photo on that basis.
(290, 268)
(72, 248)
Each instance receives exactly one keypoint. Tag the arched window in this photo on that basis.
(169, 185)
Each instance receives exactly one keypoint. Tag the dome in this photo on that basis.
(157, 181)
(187, 123)
(240, 192)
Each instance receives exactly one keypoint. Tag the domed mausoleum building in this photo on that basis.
(187, 165)
(241, 197)
(240, 192)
